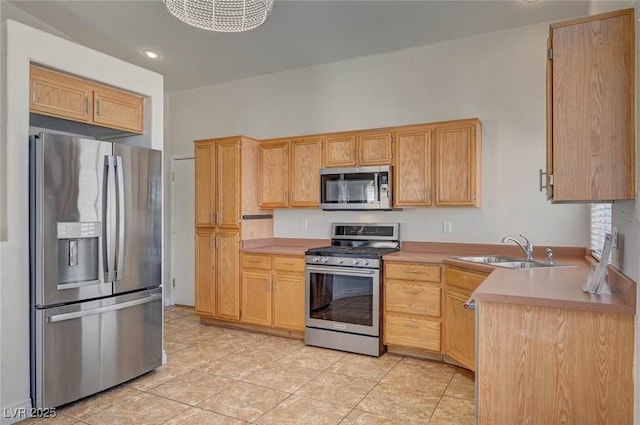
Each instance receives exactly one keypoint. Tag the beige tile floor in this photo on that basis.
(227, 377)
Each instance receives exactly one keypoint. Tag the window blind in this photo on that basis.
(600, 226)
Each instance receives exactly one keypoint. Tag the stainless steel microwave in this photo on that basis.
(357, 188)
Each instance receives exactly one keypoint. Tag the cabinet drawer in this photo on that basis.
(289, 264)
(251, 261)
(464, 279)
(412, 271)
(406, 297)
(415, 333)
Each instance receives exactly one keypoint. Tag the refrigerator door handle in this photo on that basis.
(120, 220)
(108, 237)
(100, 310)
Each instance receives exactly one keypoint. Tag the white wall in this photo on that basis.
(25, 44)
(499, 77)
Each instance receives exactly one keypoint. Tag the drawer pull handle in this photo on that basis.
(255, 261)
(288, 264)
(412, 292)
(408, 325)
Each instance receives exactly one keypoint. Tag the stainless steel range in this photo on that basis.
(344, 287)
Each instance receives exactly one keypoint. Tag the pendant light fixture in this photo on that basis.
(221, 15)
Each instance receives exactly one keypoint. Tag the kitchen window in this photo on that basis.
(600, 226)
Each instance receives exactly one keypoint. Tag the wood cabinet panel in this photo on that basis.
(289, 264)
(228, 184)
(58, 95)
(591, 77)
(374, 148)
(412, 332)
(228, 275)
(306, 160)
(412, 298)
(205, 183)
(251, 261)
(413, 271)
(412, 173)
(457, 160)
(274, 175)
(288, 299)
(340, 150)
(256, 298)
(459, 329)
(117, 109)
(205, 273)
(62, 96)
(543, 365)
(464, 279)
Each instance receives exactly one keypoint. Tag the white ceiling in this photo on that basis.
(298, 33)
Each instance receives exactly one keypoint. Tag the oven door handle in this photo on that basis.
(340, 270)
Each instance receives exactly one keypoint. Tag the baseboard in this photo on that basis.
(16, 412)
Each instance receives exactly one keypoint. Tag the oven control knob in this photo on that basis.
(339, 261)
(315, 259)
(324, 260)
(365, 262)
(355, 262)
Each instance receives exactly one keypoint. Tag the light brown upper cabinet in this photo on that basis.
(340, 150)
(358, 148)
(62, 96)
(205, 184)
(290, 173)
(274, 174)
(374, 148)
(304, 184)
(590, 109)
(457, 159)
(413, 170)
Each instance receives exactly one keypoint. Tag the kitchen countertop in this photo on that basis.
(559, 287)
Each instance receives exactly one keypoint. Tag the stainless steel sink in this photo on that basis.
(508, 262)
(487, 259)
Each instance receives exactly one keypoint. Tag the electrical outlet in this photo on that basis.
(447, 226)
(304, 223)
(614, 237)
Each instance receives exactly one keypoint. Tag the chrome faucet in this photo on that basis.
(528, 249)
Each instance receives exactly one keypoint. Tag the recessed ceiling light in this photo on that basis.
(151, 54)
(530, 1)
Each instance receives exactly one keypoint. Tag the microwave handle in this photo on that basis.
(376, 178)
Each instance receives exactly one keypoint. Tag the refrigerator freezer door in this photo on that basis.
(139, 224)
(67, 218)
(88, 347)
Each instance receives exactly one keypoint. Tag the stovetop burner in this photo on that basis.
(351, 251)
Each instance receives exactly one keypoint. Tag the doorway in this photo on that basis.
(182, 230)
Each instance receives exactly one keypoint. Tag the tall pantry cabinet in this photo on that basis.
(226, 212)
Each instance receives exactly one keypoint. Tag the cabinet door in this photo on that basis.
(457, 164)
(306, 159)
(412, 173)
(274, 175)
(117, 109)
(61, 96)
(205, 273)
(340, 150)
(228, 275)
(228, 187)
(459, 340)
(256, 297)
(288, 299)
(592, 133)
(374, 148)
(205, 183)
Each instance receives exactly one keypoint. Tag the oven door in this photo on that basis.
(344, 299)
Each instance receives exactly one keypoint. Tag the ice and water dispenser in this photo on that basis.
(78, 253)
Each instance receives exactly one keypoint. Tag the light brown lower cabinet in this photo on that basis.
(545, 365)
(273, 291)
(459, 324)
(412, 305)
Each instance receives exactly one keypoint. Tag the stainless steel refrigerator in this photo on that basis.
(95, 258)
